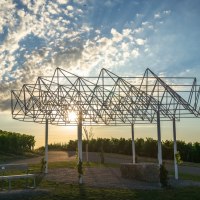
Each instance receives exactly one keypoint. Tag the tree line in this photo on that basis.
(11, 142)
(189, 152)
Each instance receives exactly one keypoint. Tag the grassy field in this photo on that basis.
(52, 190)
(189, 177)
(73, 164)
(8, 157)
(60, 191)
(56, 191)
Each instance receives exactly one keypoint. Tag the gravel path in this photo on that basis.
(55, 156)
(108, 178)
(98, 177)
(105, 176)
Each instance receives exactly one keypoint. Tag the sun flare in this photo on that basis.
(72, 116)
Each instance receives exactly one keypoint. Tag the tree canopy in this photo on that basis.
(11, 142)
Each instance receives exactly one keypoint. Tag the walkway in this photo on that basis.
(55, 156)
(98, 177)
(108, 178)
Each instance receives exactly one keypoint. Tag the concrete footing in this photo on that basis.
(148, 172)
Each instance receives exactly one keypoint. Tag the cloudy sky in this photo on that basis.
(82, 36)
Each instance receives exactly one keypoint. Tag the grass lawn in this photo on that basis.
(62, 191)
(8, 157)
(59, 191)
(71, 164)
(187, 176)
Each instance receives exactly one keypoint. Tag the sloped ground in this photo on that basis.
(108, 177)
(97, 177)
(55, 156)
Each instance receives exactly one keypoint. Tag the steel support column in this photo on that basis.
(175, 150)
(133, 143)
(80, 153)
(46, 147)
(159, 138)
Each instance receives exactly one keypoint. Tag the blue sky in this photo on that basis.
(125, 36)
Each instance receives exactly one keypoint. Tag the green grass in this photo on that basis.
(70, 164)
(60, 191)
(8, 157)
(187, 176)
(73, 165)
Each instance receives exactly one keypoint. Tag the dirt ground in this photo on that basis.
(55, 156)
(106, 176)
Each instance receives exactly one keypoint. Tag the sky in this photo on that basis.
(82, 36)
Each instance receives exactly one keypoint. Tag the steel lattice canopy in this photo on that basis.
(106, 99)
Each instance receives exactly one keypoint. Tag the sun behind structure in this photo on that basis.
(72, 116)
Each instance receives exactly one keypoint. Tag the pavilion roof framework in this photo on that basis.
(106, 99)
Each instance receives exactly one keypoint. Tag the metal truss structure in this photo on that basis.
(107, 99)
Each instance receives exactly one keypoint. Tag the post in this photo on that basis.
(133, 143)
(80, 154)
(159, 138)
(86, 151)
(175, 149)
(46, 147)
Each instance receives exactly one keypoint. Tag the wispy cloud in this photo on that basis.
(37, 36)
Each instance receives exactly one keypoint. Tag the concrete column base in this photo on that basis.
(148, 172)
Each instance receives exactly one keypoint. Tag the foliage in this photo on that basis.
(80, 169)
(16, 143)
(178, 158)
(144, 147)
(163, 175)
(43, 165)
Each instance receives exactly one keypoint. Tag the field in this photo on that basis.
(65, 186)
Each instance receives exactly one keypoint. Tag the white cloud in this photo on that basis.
(80, 1)
(140, 41)
(167, 12)
(70, 8)
(97, 31)
(139, 30)
(62, 1)
(135, 53)
(126, 32)
(145, 23)
(157, 16)
(73, 45)
(117, 37)
(7, 11)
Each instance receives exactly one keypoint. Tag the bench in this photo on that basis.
(9, 172)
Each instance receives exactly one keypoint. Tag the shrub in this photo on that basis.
(163, 176)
